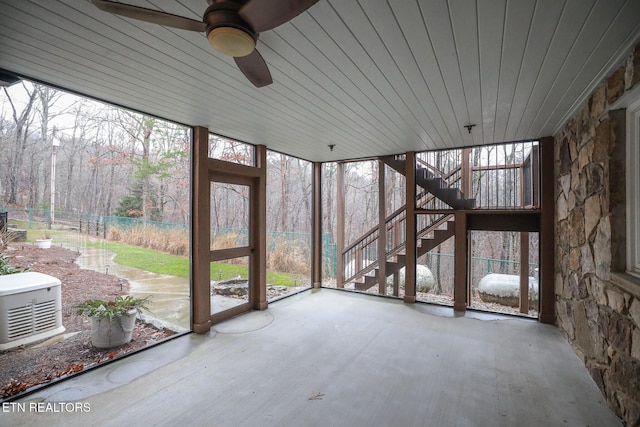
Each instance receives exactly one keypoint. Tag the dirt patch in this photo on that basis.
(26, 366)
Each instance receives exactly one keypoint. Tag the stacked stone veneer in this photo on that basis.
(600, 319)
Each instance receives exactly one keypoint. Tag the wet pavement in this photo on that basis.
(169, 304)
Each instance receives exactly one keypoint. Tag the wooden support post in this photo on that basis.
(535, 175)
(410, 229)
(396, 275)
(316, 253)
(546, 282)
(258, 233)
(461, 263)
(201, 234)
(340, 225)
(524, 273)
(382, 230)
(465, 187)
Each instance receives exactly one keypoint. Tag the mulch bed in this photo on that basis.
(29, 365)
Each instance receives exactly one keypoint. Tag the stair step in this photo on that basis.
(366, 283)
(432, 183)
(393, 267)
(396, 164)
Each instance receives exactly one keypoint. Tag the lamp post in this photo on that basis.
(55, 143)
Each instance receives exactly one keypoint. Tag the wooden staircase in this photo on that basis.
(428, 238)
(433, 183)
(425, 244)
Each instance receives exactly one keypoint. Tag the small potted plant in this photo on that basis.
(112, 322)
(44, 242)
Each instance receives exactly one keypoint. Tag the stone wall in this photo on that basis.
(600, 318)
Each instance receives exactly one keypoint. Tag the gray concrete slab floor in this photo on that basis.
(332, 358)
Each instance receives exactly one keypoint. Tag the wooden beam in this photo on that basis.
(382, 230)
(316, 221)
(201, 234)
(461, 263)
(340, 224)
(546, 281)
(217, 176)
(233, 168)
(410, 229)
(499, 221)
(229, 253)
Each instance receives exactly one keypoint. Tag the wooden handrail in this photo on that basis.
(399, 215)
(446, 217)
(431, 227)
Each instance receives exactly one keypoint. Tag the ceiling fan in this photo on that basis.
(232, 27)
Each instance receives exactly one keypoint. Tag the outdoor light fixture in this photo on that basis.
(469, 127)
(7, 79)
(231, 41)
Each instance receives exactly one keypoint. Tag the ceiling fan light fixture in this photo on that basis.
(231, 41)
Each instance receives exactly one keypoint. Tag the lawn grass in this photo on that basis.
(156, 262)
(173, 265)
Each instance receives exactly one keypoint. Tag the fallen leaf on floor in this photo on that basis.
(316, 396)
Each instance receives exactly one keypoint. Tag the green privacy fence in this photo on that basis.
(98, 225)
(486, 265)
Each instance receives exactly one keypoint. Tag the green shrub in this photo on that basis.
(6, 268)
(120, 306)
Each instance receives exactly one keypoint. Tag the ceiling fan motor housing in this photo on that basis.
(227, 32)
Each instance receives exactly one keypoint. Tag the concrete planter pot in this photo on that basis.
(107, 333)
(43, 243)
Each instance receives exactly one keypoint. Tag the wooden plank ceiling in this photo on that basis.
(372, 77)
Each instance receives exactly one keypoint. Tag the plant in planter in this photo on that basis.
(112, 322)
(44, 242)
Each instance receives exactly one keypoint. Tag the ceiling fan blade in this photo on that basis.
(254, 68)
(265, 15)
(150, 15)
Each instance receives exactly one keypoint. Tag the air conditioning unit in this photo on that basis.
(30, 308)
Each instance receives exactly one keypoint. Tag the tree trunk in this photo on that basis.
(21, 120)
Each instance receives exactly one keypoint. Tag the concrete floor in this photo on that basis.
(332, 358)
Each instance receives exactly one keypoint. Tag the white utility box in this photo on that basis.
(30, 308)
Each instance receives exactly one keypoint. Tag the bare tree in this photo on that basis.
(21, 120)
